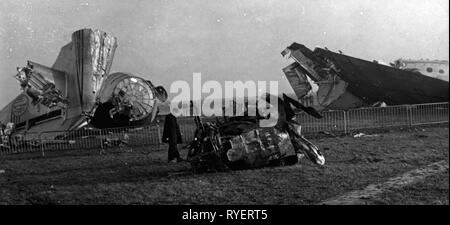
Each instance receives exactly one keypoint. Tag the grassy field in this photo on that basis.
(432, 190)
(142, 176)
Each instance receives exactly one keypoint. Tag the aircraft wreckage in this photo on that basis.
(77, 90)
(343, 82)
(346, 82)
(239, 142)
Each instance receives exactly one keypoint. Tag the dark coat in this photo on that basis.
(171, 130)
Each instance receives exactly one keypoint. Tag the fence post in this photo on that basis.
(145, 131)
(101, 139)
(345, 122)
(409, 115)
(159, 134)
(42, 145)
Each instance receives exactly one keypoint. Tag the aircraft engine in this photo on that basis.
(127, 100)
(38, 82)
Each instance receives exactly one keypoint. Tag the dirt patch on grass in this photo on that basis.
(370, 192)
(433, 190)
(143, 176)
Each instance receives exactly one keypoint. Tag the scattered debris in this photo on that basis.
(364, 135)
(327, 133)
(421, 136)
(373, 159)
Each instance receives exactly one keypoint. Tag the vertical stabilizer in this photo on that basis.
(94, 52)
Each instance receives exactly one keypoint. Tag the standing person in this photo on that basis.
(172, 136)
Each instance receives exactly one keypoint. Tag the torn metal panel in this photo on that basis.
(260, 146)
(305, 57)
(330, 90)
(103, 48)
(298, 80)
(322, 72)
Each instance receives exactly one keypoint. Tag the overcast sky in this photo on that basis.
(223, 39)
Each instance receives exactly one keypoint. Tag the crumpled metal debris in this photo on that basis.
(216, 147)
(364, 135)
(102, 52)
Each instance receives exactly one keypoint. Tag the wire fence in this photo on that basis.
(336, 121)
